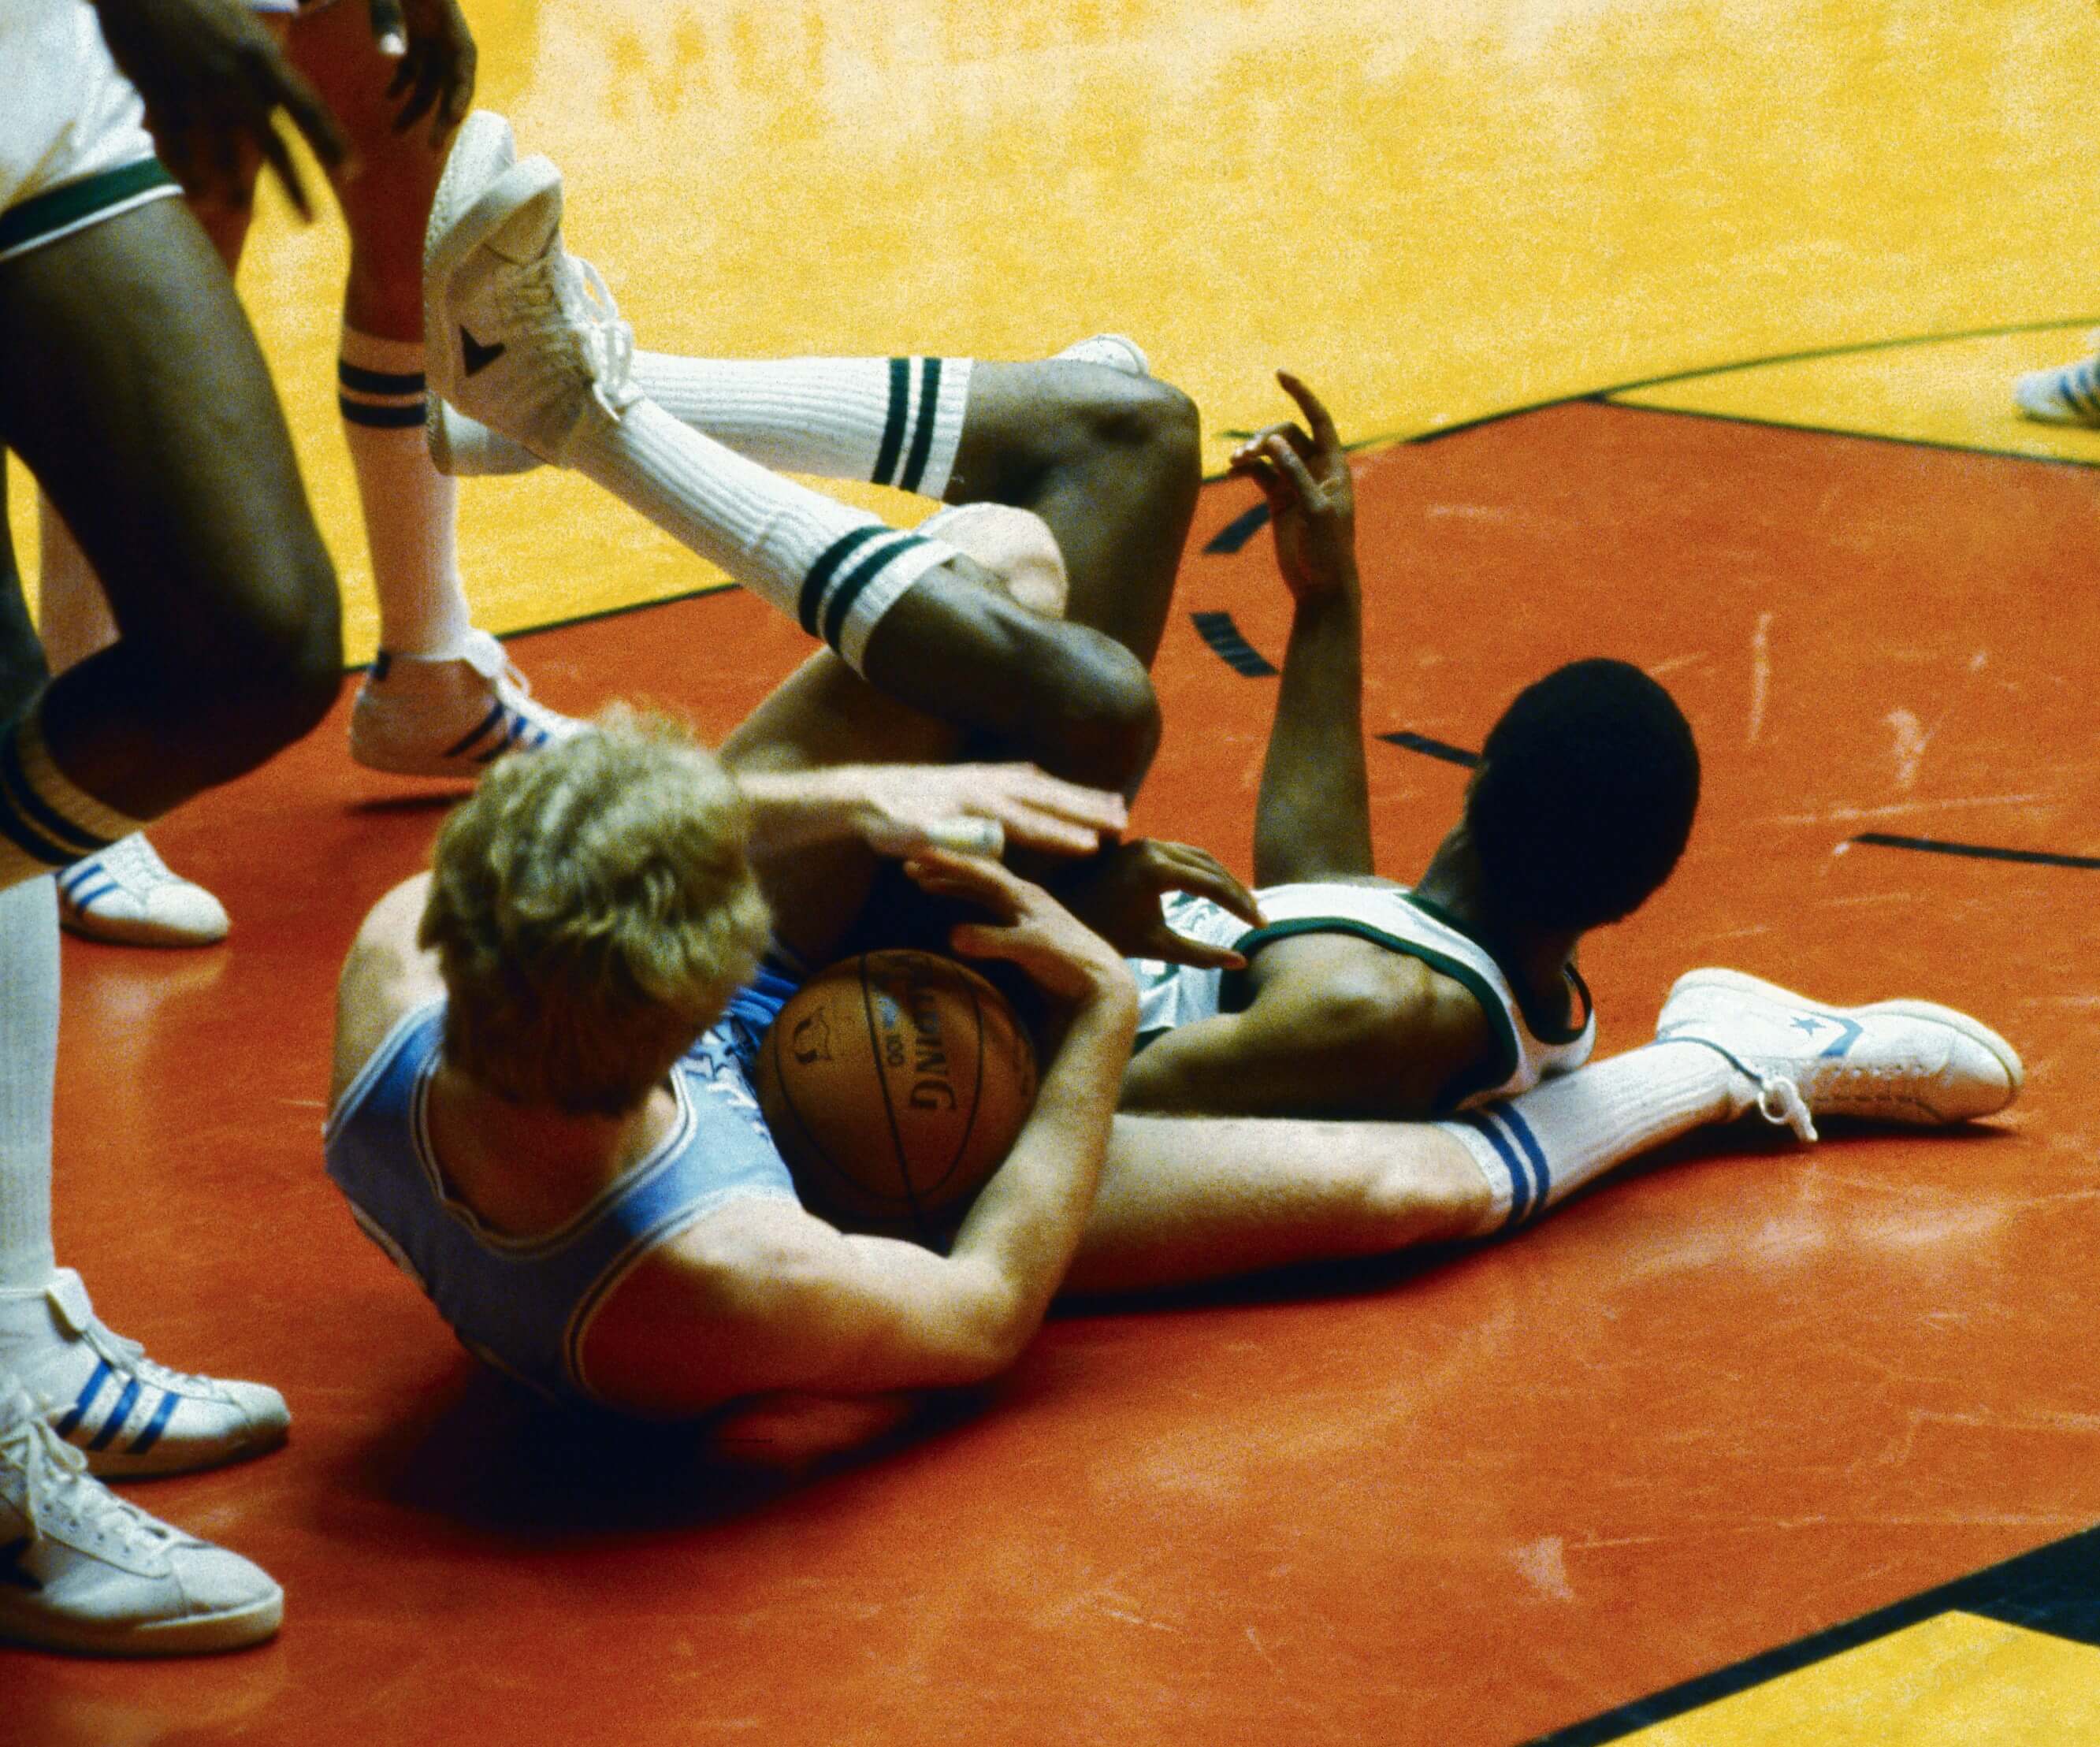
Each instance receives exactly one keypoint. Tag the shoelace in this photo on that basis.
(57, 1489)
(1779, 1100)
(570, 297)
(134, 864)
(122, 1354)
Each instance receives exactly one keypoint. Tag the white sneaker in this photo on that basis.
(468, 449)
(2069, 394)
(1117, 352)
(1893, 1061)
(517, 334)
(452, 716)
(127, 894)
(127, 1413)
(83, 1569)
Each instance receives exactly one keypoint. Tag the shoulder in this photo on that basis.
(386, 975)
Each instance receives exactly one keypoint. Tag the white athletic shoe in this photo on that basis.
(83, 1569)
(468, 449)
(2069, 394)
(452, 716)
(127, 1413)
(127, 894)
(1117, 352)
(1893, 1061)
(517, 332)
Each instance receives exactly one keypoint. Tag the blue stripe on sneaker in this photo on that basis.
(922, 438)
(1519, 1178)
(1529, 1142)
(808, 608)
(86, 900)
(118, 1415)
(893, 429)
(146, 1440)
(492, 719)
(850, 586)
(2078, 388)
(85, 1400)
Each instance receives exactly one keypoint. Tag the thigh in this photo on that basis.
(172, 463)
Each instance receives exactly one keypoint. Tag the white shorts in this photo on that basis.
(73, 145)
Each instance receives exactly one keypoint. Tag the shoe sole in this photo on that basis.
(476, 195)
(117, 1465)
(1741, 983)
(195, 1635)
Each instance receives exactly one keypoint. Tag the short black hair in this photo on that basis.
(1584, 799)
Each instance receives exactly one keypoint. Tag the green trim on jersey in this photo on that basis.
(58, 210)
(1506, 1055)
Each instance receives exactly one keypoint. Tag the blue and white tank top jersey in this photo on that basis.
(525, 1305)
(1391, 917)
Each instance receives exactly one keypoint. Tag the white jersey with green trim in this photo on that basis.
(1390, 916)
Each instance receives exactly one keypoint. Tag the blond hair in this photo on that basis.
(592, 910)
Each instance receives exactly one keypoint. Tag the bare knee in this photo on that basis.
(1028, 422)
(1091, 715)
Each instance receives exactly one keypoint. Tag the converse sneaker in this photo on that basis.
(128, 895)
(1895, 1062)
(2069, 394)
(449, 716)
(517, 333)
(83, 1569)
(127, 1413)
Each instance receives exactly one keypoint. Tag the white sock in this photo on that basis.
(1538, 1148)
(411, 509)
(28, 1063)
(47, 821)
(889, 421)
(835, 570)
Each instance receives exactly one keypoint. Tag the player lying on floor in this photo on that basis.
(543, 1104)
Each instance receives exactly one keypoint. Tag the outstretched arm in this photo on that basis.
(1313, 819)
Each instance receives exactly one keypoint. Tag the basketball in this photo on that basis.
(895, 1083)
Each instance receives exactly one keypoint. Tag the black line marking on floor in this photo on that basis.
(1603, 396)
(1982, 851)
(1421, 743)
(2055, 1589)
(1218, 630)
(1863, 436)
(1239, 531)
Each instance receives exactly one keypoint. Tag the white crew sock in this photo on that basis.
(889, 421)
(1538, 1148)
(28, 1063)
(46, 822)
(835, 570)
(411, 509)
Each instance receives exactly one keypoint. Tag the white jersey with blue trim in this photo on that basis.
(1389, 916)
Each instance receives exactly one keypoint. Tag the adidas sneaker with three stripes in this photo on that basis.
(125, 1413)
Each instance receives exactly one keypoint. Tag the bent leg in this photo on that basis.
(174, 466)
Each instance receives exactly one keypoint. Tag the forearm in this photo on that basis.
(790, 809)
(1025, 1227)
(1312, 818)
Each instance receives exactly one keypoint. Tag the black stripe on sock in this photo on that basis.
(366, 382)
(826, 567)
(69, 841)
(379, 418)
(922, 440)
(851, 586)
(893, 429)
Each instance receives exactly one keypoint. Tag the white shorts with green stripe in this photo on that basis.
(73, 145)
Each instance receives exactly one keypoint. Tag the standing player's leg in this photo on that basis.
(525, 339)
(173, 462)
(441, 699)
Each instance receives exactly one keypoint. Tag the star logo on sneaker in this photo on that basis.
(479, 357)
(10, 1566)
(1808, 1024)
